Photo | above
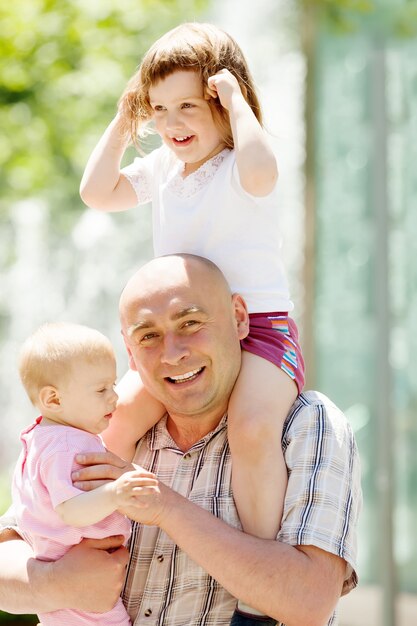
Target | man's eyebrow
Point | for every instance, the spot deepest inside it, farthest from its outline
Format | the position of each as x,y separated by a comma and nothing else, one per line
138,326
189,310
143,324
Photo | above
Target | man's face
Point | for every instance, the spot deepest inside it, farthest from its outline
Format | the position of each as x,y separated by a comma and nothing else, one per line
182,335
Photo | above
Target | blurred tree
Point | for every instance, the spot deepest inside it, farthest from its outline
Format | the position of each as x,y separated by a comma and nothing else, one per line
63,66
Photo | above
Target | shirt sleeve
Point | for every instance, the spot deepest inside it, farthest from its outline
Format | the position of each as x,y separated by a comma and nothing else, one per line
140,175
57,468
323,497
259,201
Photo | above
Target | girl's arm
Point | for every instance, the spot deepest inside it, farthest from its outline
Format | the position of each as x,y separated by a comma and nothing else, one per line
256,163
137,411
102,186
92,506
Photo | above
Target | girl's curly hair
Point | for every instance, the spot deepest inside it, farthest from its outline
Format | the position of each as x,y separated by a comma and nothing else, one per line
194,46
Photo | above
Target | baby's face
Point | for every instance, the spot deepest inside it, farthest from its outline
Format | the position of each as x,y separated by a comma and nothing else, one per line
88,398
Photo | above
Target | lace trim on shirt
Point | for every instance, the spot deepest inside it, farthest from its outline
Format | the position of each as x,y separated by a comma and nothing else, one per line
193,183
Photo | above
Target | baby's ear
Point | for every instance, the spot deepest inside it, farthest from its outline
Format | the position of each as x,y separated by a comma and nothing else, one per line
49,399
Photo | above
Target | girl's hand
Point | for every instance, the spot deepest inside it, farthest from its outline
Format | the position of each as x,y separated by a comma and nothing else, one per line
224,86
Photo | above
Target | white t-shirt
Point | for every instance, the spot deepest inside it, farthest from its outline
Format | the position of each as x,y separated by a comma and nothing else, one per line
209,214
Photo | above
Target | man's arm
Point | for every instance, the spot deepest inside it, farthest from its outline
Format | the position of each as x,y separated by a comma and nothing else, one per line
299,585
87,577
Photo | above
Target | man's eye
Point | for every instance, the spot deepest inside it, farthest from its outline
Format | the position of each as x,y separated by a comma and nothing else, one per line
148,337
190,323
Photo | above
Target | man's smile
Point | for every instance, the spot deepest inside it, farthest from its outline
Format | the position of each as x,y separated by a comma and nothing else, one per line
184,378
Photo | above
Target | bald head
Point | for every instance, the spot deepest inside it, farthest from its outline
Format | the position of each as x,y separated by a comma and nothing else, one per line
169,273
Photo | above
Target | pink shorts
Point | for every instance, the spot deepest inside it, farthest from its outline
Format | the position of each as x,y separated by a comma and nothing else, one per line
274,337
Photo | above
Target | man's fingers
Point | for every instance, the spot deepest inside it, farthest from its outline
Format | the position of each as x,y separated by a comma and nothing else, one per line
89,485
107,543
100,458
93,472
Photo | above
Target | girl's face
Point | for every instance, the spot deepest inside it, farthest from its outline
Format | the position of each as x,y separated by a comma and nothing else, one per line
184,120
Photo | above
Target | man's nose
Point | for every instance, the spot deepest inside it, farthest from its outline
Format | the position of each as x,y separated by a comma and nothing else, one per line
114,396
174,350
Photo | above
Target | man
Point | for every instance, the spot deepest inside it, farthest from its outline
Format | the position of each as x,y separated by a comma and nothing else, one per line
189,558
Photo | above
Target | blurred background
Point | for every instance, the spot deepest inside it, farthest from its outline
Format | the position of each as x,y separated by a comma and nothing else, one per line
338,84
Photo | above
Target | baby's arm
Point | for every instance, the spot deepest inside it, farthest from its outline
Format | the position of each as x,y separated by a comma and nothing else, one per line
102,186
92,506
255,160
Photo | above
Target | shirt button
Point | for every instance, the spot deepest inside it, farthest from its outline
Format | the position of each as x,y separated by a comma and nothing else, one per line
160,558
148,612
187,456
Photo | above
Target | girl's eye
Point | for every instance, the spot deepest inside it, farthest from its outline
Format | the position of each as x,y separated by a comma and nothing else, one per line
187,105
158,107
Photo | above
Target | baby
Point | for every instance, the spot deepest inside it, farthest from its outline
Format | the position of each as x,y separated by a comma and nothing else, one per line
69,373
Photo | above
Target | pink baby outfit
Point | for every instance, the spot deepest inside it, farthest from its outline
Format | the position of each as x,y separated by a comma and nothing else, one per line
42,481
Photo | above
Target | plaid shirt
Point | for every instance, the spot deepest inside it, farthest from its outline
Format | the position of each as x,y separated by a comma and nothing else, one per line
165,587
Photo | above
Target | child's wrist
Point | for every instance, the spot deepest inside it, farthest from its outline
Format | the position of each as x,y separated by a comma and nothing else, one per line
120,130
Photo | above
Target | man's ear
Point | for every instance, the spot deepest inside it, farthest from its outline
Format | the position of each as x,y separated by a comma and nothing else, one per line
132,364
49,399
241,315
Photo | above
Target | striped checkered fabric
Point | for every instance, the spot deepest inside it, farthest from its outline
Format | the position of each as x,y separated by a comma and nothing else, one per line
165,587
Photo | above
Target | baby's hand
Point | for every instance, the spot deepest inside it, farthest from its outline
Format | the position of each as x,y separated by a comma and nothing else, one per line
133,488
223,85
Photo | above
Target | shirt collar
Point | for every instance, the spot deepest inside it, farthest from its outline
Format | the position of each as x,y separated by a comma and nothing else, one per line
158,437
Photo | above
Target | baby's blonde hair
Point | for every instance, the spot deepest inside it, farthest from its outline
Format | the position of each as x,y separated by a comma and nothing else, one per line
47,357
203,48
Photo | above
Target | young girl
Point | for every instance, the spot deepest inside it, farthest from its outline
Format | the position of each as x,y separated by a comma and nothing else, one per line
213,190
69,374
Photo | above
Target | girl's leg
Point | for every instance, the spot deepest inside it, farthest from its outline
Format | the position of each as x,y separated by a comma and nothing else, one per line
137,411
260,402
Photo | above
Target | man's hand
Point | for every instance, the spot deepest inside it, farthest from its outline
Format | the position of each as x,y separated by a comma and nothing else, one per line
224,86
90,575
99,468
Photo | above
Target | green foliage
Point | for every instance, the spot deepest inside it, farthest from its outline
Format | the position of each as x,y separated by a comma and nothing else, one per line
341,16
63,67
382,18
406,20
